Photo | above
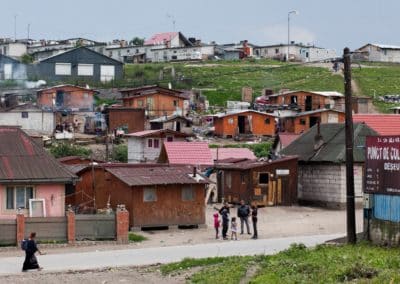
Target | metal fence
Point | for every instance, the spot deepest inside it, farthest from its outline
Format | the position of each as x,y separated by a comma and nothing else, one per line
94,227
47,229
8,232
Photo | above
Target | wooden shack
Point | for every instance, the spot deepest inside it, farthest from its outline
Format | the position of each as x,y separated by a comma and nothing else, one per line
244,122
155,195
263,183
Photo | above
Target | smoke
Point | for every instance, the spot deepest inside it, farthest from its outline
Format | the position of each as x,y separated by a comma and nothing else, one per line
34,85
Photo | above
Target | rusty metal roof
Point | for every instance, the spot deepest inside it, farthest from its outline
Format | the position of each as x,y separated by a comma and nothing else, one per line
250,164
24,161
156,175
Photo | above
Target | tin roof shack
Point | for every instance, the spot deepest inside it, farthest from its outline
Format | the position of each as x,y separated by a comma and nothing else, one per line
322,163
11,69
154,195
28,174
174,122
186,153
71,104
303,121
28,117
308,101
263,183
66,97
79,64
126,118
250,122
157,101
146,145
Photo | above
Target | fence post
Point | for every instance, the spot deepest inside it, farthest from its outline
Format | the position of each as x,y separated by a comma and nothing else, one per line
122,224
20,228
71,226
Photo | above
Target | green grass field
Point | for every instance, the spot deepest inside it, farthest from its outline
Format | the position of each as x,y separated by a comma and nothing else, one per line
361,263
223,80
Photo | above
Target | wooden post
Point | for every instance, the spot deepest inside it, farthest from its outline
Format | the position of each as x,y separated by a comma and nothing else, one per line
71,227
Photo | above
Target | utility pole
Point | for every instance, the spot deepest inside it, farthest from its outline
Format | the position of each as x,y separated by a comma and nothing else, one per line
15,27
351,214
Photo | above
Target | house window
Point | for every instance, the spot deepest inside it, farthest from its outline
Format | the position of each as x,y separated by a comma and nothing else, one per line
63,69
175,103
276,50
24,114
107,73
267,121
302,121
85,69
140,103
149,194
150,143
156,143
170,138
188,193
18,196
230,120
263,178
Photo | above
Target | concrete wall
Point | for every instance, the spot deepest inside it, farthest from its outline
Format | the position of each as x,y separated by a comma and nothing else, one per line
325,184
36,120
135,150
374,53
53,194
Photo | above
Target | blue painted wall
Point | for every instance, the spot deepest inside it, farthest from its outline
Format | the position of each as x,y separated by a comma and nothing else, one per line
387,207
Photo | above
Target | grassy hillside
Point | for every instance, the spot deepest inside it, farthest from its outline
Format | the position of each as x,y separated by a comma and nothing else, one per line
223,80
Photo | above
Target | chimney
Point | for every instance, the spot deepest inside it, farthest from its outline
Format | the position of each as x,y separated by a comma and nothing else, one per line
194,172
318,140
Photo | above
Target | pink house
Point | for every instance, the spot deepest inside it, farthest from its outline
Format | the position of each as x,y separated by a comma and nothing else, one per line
31,180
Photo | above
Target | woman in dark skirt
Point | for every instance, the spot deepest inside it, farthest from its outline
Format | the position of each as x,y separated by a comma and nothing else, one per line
30,258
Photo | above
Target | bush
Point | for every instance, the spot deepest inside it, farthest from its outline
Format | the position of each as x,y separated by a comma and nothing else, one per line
136,238
120,153
64,150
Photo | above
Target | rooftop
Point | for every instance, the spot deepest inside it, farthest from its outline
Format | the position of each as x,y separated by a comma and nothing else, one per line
156,133
187,153
234,153
384,124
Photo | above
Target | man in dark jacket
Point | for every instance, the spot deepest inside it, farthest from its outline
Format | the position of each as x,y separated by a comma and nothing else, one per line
243,213
254,220
224,211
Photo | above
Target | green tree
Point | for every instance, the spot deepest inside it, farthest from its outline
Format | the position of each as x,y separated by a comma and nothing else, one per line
120,153
137,41
27,58
65,149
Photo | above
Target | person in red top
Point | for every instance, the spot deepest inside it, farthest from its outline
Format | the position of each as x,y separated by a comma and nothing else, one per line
217,223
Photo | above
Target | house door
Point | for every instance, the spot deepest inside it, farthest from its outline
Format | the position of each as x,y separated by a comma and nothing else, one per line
60,98
308,103
242,124
178,126
313,120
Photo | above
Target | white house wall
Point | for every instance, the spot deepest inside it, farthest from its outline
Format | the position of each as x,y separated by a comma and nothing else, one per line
39,121
135,150
326,184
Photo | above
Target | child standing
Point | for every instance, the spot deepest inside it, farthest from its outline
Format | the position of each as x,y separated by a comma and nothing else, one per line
216,224
233,228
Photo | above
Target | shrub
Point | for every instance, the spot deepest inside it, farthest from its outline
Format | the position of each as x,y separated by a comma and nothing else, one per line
120,153
64,150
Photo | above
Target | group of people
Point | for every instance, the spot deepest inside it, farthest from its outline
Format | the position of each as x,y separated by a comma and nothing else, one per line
243,213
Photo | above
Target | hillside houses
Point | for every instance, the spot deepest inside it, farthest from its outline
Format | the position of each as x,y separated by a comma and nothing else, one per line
378,53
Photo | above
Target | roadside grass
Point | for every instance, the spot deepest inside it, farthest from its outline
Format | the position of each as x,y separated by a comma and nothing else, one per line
361,263
136,238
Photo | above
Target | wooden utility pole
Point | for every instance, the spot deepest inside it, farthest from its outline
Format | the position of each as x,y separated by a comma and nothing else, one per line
351,214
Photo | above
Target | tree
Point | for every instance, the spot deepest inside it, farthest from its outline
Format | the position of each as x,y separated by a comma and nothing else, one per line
27,58
64,150
137,41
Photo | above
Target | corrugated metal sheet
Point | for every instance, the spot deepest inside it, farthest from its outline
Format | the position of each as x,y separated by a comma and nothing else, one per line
387,207
21,159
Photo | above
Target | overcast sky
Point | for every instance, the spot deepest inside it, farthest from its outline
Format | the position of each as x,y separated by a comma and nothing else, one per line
333,24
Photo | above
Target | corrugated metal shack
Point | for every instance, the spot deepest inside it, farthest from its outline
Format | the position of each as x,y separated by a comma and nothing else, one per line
263,183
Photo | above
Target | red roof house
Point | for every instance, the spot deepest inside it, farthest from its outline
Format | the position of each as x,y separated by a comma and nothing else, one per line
384,124
186,153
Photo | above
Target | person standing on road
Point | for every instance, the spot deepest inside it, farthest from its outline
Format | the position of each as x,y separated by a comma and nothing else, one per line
243,213
30,258
216,225
254,221
225,221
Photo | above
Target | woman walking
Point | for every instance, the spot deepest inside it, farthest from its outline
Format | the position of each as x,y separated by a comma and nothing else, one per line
30,258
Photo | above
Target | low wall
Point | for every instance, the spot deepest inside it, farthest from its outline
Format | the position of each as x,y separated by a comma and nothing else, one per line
8,232
47,228
94,227
384,232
